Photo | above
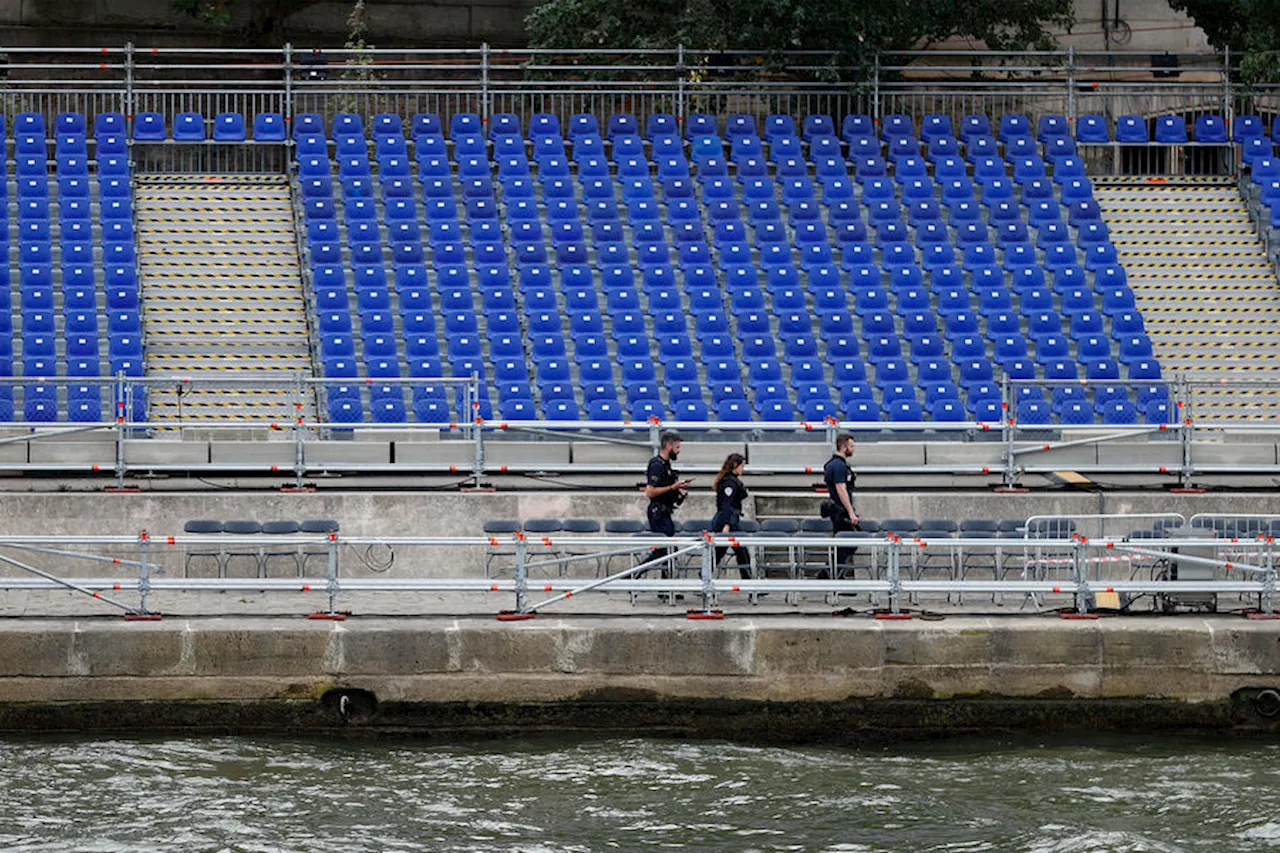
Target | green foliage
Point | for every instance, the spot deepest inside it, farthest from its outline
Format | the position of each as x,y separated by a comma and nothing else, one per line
216,13
855,29
360,67
262,22
1250,28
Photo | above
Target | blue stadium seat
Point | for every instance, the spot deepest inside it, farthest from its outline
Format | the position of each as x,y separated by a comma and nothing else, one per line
1092,129
147,127
817,125
1210,129
1171,130
1120,412
187,127
1132,130
1013,126
1247,127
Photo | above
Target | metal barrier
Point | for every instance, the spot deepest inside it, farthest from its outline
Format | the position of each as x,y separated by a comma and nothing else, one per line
689,560
1024,448
681,81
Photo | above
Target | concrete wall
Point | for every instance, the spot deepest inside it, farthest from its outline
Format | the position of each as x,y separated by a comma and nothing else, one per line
408,513
1147,25
420,23
832,675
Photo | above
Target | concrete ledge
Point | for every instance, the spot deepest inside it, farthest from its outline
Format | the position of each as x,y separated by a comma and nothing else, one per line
550,454
696,452
1194,669
1214,453
14,451
1168,454
339,453
1064,457
143,452
256,453
794,454
101,453
781,658
985,453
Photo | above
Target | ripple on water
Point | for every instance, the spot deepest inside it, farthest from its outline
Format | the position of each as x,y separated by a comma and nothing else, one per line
561,795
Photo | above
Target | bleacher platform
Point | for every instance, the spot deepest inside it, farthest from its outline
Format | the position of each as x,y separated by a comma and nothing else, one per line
716,268
795,269
73,234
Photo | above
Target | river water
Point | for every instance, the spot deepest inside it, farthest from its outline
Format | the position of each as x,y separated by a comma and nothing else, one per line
1110,795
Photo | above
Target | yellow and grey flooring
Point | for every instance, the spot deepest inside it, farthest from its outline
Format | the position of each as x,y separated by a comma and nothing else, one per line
1208,295
222,294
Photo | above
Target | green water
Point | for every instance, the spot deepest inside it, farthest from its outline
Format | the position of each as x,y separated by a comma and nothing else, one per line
560,794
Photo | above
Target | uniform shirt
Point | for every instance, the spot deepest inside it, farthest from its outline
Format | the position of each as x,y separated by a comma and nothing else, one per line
660,474
730,494
837,471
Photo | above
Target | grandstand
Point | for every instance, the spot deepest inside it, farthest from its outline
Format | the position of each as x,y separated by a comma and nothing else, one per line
74,240
927,274
734,273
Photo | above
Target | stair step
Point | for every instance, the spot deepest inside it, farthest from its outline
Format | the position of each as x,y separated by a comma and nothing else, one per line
228,361
1237,253
156,230
1207,292
228,334
1245,242
1240,226
223,272
219,267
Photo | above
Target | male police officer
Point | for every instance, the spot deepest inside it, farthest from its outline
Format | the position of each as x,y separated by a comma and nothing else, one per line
665,492
839,480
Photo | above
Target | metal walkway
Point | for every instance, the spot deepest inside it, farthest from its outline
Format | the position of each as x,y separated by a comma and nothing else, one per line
1200,276
221,292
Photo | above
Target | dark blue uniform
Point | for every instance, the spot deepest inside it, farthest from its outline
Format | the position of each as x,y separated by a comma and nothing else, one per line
837,471
730,493
659,473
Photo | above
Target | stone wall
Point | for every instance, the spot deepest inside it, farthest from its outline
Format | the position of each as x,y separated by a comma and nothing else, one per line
405,513
392,23
830,680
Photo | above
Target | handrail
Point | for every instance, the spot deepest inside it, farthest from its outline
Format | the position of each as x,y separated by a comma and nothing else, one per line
700,71
902,577
1022,444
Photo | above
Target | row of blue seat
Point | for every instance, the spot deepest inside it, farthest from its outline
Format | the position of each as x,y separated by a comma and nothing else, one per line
78,235
272,127
633,382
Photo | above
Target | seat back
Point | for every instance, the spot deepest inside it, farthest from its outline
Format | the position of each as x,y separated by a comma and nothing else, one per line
501,525
900,526
242,527
816,525
281,528
779,526
624,526
202,525
543,526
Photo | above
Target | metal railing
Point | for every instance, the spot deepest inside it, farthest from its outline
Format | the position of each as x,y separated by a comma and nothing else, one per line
681,81
126,421
1069,570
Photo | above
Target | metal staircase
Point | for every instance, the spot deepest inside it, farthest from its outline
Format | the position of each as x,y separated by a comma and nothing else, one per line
1208,296
222,293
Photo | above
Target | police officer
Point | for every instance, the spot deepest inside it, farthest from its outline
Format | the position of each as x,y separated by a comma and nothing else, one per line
839,480
730,493
665,491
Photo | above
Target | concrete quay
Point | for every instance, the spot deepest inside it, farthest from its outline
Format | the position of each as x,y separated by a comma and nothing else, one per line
772,677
